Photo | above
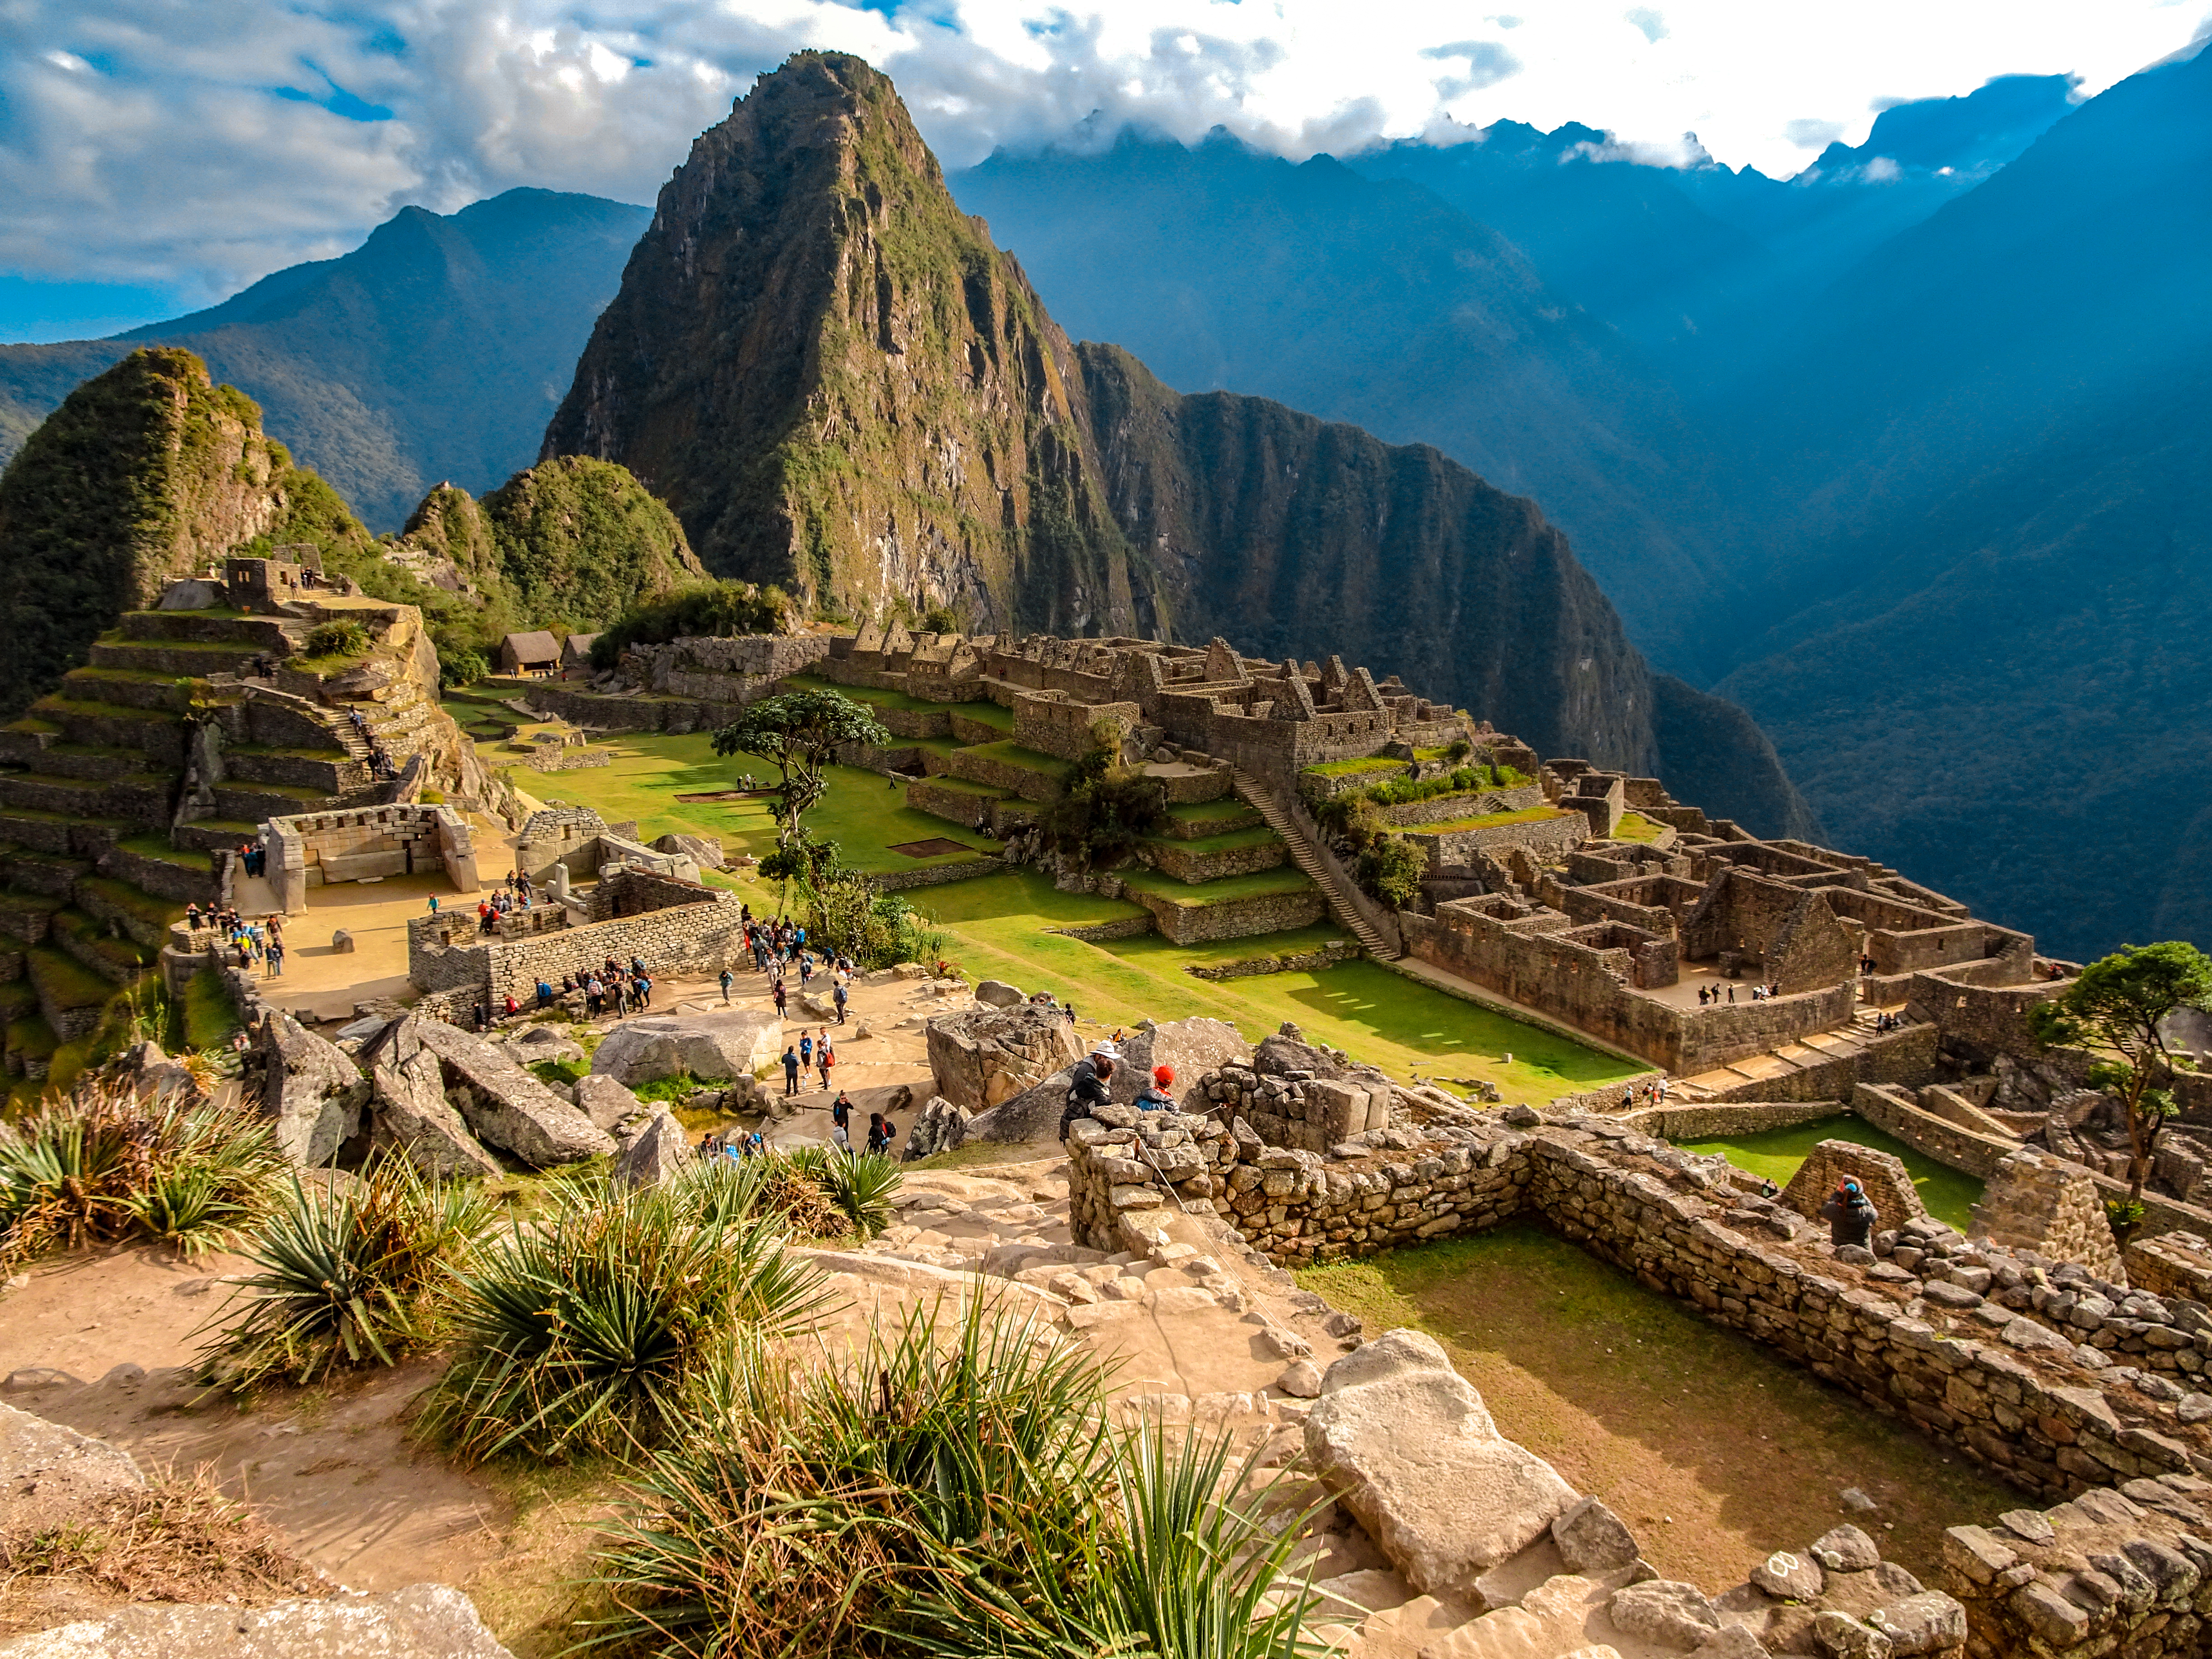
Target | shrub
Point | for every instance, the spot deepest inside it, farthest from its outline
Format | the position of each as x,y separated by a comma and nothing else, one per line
210,1015
461,664
1107,807
337,638
716,610
1392,869
104,1164
858,1187
791,1521
594,1329
347,1275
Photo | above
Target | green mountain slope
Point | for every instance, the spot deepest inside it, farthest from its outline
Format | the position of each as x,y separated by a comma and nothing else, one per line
146,473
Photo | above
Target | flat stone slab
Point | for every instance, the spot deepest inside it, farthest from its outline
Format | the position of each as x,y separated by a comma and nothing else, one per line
728,1043
422,1621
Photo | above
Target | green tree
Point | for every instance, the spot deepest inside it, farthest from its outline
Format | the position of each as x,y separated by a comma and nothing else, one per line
1107,808
798,734
2118,1005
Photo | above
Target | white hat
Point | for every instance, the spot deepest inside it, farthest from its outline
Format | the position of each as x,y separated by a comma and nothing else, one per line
1105,1048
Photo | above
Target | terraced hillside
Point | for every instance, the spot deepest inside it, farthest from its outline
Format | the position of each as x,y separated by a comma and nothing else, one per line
125,792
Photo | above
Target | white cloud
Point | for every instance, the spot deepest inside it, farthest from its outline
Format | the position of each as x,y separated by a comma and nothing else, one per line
205,145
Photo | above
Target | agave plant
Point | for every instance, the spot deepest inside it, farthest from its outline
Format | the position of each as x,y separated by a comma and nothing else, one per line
347,1275
861,1188
104,1163
1181,1565
810,1494
593,1330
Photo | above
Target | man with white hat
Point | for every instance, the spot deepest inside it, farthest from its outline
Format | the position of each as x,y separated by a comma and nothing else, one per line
1090,1085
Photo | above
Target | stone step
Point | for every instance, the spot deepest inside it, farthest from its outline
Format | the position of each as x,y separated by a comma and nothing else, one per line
335,772
139,800
61,834
257,802
130,688
94,763
214,834
88,939
1262,800
209,628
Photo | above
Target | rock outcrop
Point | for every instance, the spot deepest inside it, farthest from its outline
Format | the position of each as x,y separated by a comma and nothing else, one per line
504,1105
422,1621
49,1472
1407,1446
986,1056
731,1044
311,1092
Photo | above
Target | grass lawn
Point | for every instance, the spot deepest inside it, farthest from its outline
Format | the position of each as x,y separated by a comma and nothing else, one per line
1288,879
1526,815
996,928
864,812
1233,841
1010,753
1712,1449
1634,826
1948,1194
874,696
986,713
1228,809
1347,768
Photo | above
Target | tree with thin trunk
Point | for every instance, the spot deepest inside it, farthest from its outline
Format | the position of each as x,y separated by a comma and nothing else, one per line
2119,1006
798,734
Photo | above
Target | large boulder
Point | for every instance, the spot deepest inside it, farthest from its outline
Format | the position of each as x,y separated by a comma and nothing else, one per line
605,1101
502,1104
313,1093
655,1153
940,1127
982,1056
411,1113
422,1621
1030,1116
706,853
726,1043
997,993
1192,1047
1406,1445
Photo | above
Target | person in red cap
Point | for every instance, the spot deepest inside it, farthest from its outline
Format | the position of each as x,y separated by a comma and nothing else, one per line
1154,1096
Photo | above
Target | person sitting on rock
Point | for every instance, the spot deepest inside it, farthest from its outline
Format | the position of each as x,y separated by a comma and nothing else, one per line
1850,1217
1090,1085
1154,1096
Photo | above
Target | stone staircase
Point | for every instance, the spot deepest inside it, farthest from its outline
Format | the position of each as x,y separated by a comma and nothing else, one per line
1279,819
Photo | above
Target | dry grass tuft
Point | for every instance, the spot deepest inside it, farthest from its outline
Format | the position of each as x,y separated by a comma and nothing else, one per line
176,1541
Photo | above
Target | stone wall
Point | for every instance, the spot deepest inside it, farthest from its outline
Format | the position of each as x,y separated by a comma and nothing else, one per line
2034,1201
1300,961
2059,1381
2125,1572
1881,1176
1268,913
1053,725
312,849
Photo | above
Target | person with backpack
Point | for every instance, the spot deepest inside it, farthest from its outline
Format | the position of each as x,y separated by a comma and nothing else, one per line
824,1056
782,997
837,995
725,985
1850,1216
1090,1085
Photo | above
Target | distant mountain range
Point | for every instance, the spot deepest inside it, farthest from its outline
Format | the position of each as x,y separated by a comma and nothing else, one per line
432,353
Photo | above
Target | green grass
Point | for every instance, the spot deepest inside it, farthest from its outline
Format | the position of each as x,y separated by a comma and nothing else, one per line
1950,1194
125,896
968,786
874,696
1012,754
157,846
986,713
1207,811
1634,826
32,1037
91,934
864,812
210,1016
1261,883
17,998
1346,769
569,1072
1526,815
1258,835
64,981
996,928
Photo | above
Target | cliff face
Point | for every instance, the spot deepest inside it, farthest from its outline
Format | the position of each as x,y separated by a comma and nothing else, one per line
144,473
842,387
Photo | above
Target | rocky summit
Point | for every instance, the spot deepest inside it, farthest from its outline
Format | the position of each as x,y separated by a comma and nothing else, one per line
842,387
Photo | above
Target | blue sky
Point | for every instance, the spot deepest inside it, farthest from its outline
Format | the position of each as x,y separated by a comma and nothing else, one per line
157,157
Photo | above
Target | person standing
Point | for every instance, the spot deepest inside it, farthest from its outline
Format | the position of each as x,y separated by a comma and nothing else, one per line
837,995
725,985
790,1072
824,1056
782,997
841,1110
805,1051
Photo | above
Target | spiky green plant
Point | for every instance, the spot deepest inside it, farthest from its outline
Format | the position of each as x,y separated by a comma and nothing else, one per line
792,1520
593,1329
861,1187
104,1163
347,1275
1184,1564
